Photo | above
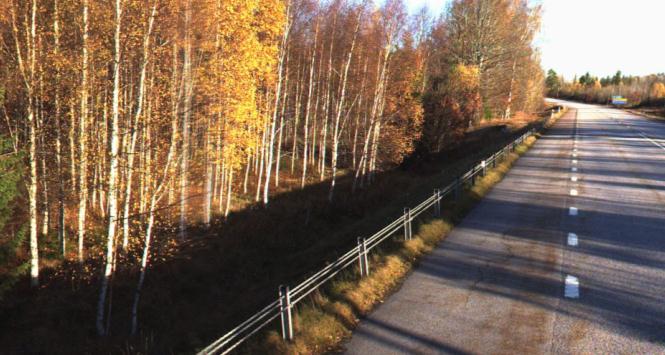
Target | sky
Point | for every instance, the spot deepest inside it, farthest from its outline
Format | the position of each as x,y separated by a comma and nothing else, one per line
598,36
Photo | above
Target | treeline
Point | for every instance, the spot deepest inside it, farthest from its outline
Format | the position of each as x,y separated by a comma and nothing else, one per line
134,112
646,90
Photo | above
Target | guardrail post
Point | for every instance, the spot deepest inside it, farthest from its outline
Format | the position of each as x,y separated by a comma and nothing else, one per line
483,165
408,213
407,223
285,306
437,205
362,257
365,257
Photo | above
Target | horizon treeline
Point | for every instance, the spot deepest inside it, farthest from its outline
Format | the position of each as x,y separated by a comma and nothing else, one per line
129,114
647,90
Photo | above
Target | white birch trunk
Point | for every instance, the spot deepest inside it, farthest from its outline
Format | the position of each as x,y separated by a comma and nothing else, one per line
278,92
229,194
28,75
134,129
285,101
308,108
187,112
58,132
113,175
83,137
158,193
340,107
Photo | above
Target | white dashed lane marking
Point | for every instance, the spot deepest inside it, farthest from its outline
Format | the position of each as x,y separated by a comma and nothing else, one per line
572,239
572,287
572,284
651,140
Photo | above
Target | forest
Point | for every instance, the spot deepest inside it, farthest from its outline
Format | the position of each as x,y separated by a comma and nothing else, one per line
648,90
134,130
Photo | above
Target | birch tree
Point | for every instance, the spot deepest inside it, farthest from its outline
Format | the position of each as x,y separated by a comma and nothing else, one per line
25,47
113,174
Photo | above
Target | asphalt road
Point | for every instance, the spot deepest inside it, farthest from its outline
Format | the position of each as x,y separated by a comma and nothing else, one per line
565,255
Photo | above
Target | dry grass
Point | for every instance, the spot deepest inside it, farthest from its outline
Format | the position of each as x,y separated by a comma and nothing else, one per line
517,122
330,316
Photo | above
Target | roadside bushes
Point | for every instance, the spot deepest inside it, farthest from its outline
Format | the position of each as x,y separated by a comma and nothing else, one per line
450,107
12,231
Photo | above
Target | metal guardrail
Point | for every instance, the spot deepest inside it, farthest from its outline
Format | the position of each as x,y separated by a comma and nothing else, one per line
282,307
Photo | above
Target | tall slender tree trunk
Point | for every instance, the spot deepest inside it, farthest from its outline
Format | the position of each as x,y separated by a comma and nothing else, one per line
285,101
308,108
28,75
32,197
261,160
296,118
229,195
275,112
102,164
509,102
134,129
83,137
328,101
58,132
176,94
187,112
113,175
41,123
208,178
32,122
340,107
247,168
157,194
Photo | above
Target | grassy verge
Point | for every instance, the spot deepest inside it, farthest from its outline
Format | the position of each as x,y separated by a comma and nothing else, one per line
327,318
653,113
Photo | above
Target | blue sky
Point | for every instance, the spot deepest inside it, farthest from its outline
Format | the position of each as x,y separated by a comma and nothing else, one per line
599,36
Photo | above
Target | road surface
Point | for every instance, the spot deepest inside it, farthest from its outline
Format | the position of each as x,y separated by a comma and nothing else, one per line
565,256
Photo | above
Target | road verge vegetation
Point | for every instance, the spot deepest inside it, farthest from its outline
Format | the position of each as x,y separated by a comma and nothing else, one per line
323,322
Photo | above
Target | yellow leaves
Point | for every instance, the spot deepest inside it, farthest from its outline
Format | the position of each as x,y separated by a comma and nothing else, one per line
240,44
466,75
597,85
657,91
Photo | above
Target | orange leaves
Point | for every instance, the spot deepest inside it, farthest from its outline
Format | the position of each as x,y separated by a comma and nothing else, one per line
451,107
657,91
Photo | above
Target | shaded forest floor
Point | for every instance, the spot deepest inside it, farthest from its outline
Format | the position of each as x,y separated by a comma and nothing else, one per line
197,289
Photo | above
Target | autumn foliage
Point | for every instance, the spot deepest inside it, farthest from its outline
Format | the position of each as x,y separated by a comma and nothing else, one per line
646,90
143,125
451,106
